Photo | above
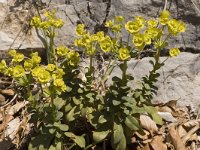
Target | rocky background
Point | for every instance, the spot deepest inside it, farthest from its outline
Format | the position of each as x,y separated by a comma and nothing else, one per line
180,77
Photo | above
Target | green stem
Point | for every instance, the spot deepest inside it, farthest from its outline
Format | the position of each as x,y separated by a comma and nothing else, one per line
128,39
124,69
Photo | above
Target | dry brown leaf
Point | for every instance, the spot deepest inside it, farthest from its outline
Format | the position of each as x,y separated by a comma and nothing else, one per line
15,108
2,100
175,138
148,124
181,131
12,128
172,104
191,123
6,119
8,92
143,137
165,109
157,143
146,147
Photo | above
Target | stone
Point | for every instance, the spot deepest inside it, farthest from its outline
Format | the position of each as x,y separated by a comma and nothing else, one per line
179,78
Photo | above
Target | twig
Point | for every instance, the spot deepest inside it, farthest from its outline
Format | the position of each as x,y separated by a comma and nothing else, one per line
14,97
190,133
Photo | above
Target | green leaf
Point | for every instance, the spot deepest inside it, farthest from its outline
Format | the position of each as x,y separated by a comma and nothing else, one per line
71,114
68,107
118,139
79,140
142,99
41,142
102,119
132,123
59,103
137,94
116,102
146,86
154,114
99,136
76,101
62,127
58,116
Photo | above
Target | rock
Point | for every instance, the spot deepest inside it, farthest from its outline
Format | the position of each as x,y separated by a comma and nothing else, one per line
179,78
15,17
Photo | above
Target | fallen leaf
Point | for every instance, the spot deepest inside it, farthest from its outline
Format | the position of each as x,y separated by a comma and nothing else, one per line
12,128
2,100
191,123
157,143
8,92
167,116
148,124
181,131
15,108
143,137
176,139
165,109
146,147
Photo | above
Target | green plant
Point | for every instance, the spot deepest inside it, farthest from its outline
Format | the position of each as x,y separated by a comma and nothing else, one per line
69,110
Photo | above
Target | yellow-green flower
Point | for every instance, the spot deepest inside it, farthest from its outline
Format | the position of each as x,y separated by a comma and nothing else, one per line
9,71
51,67
164,17
18,71
109,23
175,26
147,39
28,64
152,23
59,72
153,33
60,84
3,66
18,57
116,28
138,40
35,58
80,29
119,19
58,23
91,50
140,20
35,71
174,52
41,74
73,58
62,51
100,35
160,44
106,44
124,54
12,53
45,25
36,21
133,26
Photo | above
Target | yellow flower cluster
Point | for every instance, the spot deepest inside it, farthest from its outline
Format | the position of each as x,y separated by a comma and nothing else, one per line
49,21
174,52
174,26
135,26
115,25
124,54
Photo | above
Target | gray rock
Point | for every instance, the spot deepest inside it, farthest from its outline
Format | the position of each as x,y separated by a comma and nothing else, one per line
179,78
